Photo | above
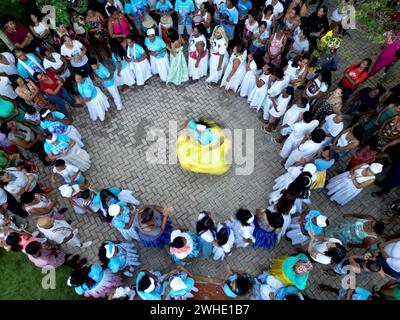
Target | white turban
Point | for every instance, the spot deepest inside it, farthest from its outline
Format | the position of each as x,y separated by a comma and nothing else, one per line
376,168
177,284
151,32
114,210
321,221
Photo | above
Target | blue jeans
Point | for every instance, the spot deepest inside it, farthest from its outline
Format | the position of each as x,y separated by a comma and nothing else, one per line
59,101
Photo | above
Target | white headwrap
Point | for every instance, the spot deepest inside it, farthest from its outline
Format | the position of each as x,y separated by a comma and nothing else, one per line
251,219
151,287
110,250
151,32
114,210
321,221
376,168
53,138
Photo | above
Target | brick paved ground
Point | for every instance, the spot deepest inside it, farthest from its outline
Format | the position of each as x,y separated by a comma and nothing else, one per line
118,155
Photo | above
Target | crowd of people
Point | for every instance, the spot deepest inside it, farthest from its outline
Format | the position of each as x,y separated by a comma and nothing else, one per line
264,53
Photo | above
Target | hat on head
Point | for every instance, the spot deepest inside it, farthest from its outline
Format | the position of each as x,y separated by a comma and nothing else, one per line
114,210
148,22
46,113
322,221
151,32
376,168
110,250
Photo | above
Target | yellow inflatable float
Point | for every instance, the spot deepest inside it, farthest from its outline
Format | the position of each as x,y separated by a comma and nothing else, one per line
202,148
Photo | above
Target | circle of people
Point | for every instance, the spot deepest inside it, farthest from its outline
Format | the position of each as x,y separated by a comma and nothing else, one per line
269,64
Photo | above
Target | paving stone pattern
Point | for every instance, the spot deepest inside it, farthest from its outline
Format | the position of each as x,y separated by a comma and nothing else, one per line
118,154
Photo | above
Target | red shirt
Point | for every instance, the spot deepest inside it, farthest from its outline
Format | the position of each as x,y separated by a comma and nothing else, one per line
52,86
19,35
356,75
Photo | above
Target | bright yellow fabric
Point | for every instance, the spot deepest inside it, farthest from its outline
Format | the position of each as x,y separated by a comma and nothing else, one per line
276,270
201,158
320,181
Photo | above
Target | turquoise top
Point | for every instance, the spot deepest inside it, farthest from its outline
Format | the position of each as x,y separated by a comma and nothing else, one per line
61,146
299,280
103,73
281,293
323,165
228,291
55,126
114,190
96,273
117,262
157,45
136,52
116,59
136,8
358,294
87,89
29,61
207,137
121,220
156,294
309,225
164,8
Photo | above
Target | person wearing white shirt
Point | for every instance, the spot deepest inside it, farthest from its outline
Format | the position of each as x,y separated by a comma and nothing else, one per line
53,60
61,232
17,182
278,8
389,258
332,126
7,64
71,174
307,150
114,3
6,89
326,250
278,108
274,91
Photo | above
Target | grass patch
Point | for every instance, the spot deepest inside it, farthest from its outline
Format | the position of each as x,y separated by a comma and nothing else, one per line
20,279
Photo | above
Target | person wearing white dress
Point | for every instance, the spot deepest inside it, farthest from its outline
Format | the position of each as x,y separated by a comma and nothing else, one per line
7,64
198,53
123,74
257,96
95,100
138,62
299,131
226,240
346,186
218,56
274,91
157,49
103,75
278,109
235,71
249,81
307,150
243,228
292,115
332,126
296,70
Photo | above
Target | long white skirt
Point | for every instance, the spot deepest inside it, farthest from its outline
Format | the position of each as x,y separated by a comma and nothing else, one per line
283,181
98,106
257,97
74,134
290,144
341,189
216,75
236,79
142,71
248,84
160,66
295,234
287,218
78,158
127,196
201,70
238,232
127,77
114,92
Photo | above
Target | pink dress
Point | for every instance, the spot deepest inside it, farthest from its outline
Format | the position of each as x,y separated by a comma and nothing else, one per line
275,48
386,58
122,28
